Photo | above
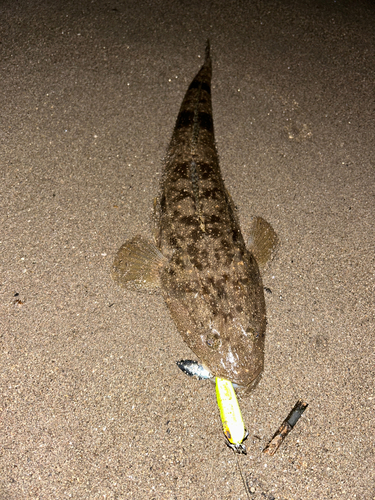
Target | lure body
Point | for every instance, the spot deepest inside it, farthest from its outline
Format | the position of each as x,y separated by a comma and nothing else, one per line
231,417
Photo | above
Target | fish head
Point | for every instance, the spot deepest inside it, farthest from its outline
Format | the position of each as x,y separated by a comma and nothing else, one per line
220,315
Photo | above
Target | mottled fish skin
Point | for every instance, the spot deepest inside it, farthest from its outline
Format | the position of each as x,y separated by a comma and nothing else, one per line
212,284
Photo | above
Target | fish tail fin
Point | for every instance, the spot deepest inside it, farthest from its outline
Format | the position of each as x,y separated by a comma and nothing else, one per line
207,59
195,116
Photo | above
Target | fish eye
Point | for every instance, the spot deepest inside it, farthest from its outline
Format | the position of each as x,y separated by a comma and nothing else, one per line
213,342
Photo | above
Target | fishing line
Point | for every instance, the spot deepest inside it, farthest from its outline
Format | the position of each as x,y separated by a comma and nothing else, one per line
242,477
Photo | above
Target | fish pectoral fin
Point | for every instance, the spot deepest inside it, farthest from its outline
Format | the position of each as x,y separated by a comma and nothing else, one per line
138,264
263,241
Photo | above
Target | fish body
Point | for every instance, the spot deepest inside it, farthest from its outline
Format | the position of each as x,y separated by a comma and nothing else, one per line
210,281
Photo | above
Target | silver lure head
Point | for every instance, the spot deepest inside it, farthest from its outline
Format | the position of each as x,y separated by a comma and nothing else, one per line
194,369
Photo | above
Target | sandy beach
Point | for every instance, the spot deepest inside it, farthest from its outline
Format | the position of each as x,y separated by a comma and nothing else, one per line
92,403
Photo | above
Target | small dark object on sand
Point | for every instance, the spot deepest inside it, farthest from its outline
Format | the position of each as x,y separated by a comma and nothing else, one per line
285,427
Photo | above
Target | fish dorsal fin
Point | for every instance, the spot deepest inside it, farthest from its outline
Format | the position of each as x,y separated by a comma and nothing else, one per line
138,264
263,241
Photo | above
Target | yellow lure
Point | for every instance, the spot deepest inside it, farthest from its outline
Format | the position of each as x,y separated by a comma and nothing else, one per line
231,417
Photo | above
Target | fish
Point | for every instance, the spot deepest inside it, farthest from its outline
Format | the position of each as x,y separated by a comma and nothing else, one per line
197,259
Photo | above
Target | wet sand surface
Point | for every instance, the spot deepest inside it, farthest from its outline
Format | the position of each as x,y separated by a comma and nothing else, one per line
92,404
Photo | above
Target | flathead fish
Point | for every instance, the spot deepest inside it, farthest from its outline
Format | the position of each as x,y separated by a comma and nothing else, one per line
198,259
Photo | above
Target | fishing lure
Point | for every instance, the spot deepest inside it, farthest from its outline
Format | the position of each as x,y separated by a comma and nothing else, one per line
194,369
231,417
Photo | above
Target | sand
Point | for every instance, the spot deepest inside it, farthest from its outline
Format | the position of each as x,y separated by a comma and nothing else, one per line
92,403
